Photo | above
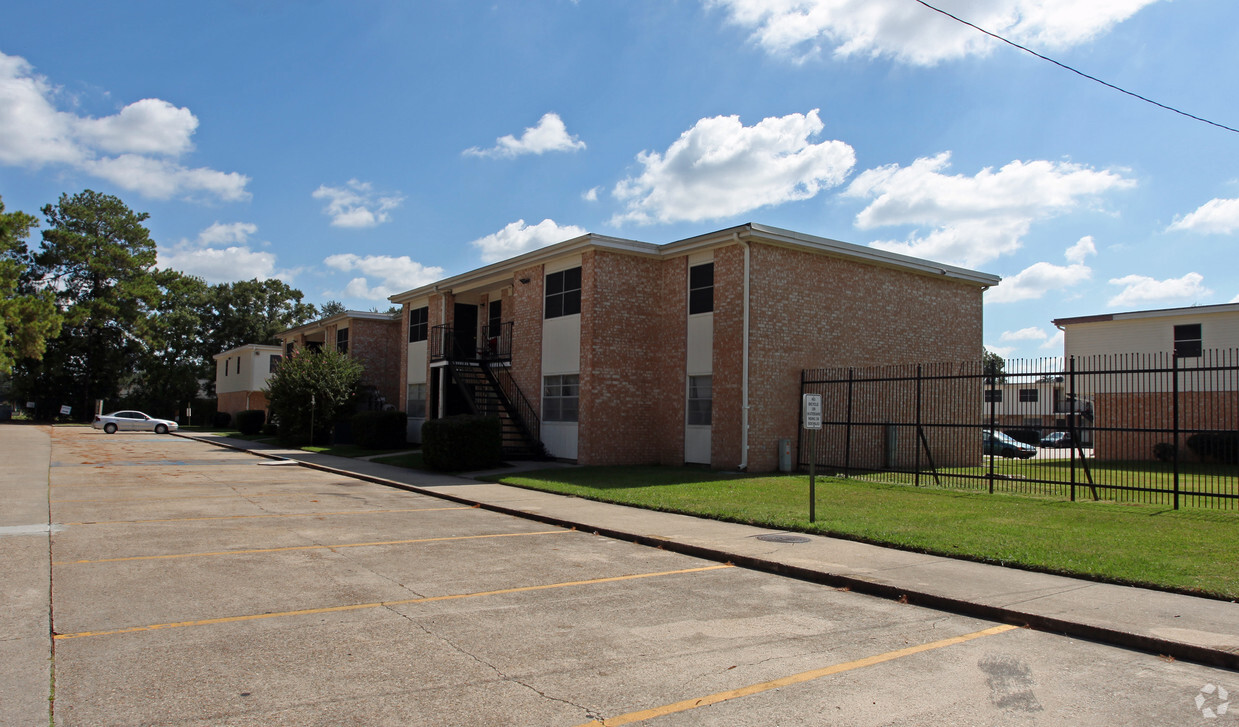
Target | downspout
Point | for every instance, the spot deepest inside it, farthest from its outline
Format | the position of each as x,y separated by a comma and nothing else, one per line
744,374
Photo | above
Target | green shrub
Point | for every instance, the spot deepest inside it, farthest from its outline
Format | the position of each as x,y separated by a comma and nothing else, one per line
462,443
221,419
379,429
1215,446
1164,451
250,421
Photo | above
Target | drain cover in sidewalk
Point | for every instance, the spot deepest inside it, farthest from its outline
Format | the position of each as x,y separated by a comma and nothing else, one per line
783,538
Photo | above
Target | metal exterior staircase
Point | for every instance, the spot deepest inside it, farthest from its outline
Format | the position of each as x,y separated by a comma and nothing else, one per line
491,391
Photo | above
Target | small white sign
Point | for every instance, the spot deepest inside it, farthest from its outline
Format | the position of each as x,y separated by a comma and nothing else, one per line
64,410
812,405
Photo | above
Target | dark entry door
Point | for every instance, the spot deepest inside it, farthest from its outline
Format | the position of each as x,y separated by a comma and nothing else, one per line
465,331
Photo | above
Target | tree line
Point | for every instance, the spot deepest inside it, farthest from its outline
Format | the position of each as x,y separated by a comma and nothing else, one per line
87,314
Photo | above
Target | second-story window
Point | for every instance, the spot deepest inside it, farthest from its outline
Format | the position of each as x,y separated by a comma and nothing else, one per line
342,340
1028,395
419,324
993,395
1188,342
275,362
563,293
701,288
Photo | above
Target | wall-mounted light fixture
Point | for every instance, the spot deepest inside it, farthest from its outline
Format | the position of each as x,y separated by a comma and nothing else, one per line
524,281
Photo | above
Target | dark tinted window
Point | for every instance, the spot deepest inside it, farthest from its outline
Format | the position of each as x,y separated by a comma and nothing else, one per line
1188,342
419,322
563,293
701,288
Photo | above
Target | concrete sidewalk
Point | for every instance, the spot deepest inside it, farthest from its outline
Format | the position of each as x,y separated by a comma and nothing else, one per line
25,598
1201,630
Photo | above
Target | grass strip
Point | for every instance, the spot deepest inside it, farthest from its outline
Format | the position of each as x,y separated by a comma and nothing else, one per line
1191,551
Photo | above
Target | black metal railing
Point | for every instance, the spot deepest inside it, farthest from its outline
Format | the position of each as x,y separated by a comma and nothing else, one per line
1147,428
447,344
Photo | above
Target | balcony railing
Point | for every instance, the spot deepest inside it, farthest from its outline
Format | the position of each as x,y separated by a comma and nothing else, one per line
495,344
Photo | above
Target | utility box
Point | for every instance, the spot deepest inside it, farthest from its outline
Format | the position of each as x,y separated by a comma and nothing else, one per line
785,454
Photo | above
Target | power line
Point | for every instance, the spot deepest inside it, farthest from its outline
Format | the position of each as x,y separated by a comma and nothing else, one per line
1073,70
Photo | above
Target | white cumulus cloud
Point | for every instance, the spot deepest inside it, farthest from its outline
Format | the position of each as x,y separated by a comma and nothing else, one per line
222,254
973,219
1215,217
356,204
1141,290
913,34
550,134
394,274
1032,333
721,168
137,149
1036,280
517,237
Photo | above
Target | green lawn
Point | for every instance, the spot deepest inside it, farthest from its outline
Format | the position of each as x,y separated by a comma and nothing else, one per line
1189,550
411,460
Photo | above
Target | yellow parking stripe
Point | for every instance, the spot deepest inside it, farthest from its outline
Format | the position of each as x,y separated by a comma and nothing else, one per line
306,547
382,604
245,517
200,497
634,717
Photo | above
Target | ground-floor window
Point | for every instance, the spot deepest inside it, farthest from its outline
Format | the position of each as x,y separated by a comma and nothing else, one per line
415,405
560,396
699,400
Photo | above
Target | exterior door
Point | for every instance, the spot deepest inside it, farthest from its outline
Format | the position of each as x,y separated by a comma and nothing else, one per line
465,331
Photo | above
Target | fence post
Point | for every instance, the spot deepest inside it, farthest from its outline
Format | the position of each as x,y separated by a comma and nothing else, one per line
917,461
993,383
1073,425
1174,374
847,432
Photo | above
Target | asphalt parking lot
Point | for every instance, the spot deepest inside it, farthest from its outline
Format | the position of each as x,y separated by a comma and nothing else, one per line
192,585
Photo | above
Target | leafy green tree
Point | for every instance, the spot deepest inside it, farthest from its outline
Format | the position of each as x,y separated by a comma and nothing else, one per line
28,317
98,260
176,360
253,311
310,391
994,367
331,308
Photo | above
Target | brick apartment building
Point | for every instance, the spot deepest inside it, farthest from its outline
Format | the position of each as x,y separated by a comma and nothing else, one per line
1179,346
373,339
613,351
241,376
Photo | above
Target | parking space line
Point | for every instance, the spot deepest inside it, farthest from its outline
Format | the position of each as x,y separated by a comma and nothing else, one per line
382,604
200,497
276,515
250,551
688,704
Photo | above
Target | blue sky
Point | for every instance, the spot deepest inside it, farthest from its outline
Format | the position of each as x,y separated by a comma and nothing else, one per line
356,150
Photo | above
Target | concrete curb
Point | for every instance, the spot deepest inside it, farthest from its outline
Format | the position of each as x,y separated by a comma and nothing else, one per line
1219,658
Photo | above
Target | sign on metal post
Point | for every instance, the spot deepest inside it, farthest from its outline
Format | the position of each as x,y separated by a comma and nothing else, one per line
811,405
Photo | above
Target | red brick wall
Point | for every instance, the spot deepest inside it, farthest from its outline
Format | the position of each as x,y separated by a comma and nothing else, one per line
811,311
235,401
670,358
524,309
377,346
402,374
727,416
1128,411
623,391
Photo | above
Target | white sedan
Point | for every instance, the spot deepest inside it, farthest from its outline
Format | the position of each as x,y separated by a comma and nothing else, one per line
132,421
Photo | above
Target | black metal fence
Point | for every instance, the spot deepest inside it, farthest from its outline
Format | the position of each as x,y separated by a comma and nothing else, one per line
1148,428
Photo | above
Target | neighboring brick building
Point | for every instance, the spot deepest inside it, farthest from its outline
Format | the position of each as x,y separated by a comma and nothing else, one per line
373,339
628,352
241,376
1198,342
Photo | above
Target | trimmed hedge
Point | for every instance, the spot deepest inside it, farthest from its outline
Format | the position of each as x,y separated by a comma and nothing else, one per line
1215,446
250,421
462,443
221,419
379,429
1164,452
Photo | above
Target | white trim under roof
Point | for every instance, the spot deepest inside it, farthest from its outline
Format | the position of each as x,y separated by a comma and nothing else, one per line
1158,313
346,315
260,347
501,272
